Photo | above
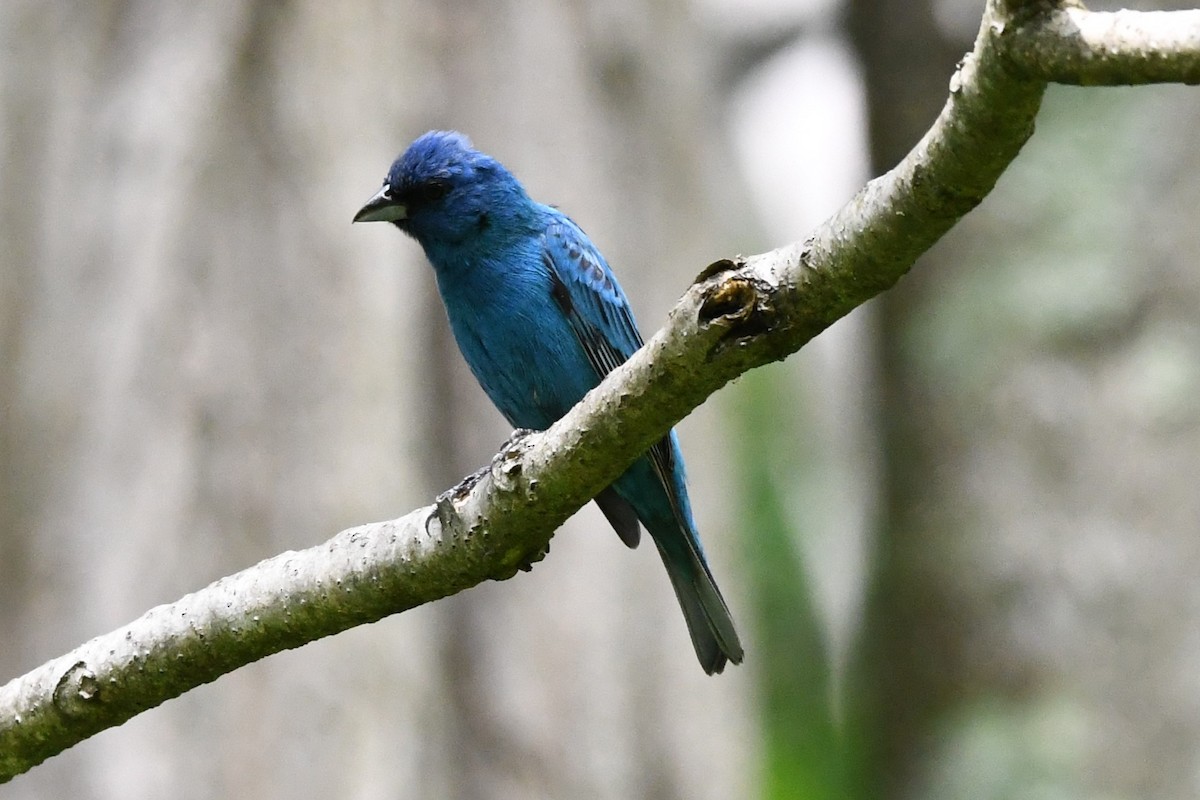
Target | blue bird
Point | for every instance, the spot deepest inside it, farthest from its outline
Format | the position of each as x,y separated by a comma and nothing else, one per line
540,320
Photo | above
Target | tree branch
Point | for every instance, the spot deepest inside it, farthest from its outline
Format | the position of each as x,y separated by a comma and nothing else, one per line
739,314
1121,48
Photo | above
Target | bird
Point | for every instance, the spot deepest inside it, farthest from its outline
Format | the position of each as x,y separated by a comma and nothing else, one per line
540,320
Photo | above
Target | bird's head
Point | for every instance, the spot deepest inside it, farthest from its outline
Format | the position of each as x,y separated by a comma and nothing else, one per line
442,191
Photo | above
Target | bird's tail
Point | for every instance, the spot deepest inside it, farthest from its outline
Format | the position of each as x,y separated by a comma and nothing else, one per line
708,619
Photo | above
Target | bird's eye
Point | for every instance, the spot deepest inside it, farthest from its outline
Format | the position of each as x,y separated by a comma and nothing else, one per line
433,191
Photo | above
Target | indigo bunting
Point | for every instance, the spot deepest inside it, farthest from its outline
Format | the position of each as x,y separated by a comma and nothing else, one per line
540,320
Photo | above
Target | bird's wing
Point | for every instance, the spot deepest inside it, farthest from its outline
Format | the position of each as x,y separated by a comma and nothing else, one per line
588,295
592,301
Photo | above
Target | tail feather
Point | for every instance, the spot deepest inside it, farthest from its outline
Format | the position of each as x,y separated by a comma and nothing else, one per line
621,516
656,489
708,619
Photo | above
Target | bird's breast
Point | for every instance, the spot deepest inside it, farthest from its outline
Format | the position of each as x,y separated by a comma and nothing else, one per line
515,339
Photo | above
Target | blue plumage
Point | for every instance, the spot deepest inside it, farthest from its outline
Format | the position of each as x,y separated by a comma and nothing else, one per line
540,320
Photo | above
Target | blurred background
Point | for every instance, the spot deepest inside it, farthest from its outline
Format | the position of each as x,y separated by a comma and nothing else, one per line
958,531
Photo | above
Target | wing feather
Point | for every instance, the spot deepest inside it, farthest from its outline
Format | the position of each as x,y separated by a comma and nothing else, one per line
599,314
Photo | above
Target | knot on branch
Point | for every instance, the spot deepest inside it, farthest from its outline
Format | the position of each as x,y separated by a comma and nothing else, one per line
736,301
76,690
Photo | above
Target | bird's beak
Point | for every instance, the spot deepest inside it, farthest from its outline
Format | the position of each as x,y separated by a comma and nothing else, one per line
382,208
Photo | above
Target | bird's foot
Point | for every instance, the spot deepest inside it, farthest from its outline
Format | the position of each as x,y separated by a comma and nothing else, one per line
516,438
507,474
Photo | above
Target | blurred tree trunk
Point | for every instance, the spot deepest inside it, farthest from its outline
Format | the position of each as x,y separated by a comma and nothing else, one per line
908,629
1032,631
203,364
